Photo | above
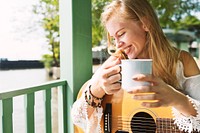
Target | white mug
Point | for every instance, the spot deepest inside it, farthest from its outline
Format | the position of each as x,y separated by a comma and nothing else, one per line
131,67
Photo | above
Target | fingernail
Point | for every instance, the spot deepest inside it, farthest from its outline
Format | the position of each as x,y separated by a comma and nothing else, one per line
134,77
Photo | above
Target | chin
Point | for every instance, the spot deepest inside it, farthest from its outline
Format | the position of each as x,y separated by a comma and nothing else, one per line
131,57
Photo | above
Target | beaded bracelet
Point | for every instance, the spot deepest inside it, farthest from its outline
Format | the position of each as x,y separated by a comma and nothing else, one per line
92,100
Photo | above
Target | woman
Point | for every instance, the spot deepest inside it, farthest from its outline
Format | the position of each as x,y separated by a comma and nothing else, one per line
133,28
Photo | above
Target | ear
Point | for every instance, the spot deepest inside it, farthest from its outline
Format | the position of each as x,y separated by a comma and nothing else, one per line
145,24
145,27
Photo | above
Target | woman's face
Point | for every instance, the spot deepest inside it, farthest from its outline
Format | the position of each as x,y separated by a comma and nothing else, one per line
129,36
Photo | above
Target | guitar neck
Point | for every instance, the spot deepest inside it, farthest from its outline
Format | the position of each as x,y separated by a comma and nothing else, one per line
166,125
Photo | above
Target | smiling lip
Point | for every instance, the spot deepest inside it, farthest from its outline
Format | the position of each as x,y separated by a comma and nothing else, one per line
127,49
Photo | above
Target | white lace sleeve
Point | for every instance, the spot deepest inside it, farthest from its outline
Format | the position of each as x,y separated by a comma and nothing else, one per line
192,88
80,116
188,123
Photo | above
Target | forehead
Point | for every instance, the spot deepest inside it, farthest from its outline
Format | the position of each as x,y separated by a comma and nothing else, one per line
115,24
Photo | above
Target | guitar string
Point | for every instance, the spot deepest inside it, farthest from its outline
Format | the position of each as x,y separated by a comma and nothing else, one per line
122,121
128,128
162,124
150,127
144,118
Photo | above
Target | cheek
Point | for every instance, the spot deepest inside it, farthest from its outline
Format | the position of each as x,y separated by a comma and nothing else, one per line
138,43
138,40
140,36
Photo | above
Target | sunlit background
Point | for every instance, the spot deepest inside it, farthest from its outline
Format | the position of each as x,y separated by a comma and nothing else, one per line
22,38
21,35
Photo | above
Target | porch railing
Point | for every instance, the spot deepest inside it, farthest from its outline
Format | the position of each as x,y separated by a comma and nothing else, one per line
6,107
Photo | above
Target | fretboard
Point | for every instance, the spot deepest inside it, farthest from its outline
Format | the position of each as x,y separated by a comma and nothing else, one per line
166,125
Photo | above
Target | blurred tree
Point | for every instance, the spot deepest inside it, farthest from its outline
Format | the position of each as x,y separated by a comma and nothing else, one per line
171,13
48,11
191,23
175,14
97,29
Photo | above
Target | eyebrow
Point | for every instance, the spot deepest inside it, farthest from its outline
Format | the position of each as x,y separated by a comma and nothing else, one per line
117,32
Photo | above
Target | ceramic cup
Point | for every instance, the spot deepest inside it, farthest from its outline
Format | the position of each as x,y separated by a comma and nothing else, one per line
131,67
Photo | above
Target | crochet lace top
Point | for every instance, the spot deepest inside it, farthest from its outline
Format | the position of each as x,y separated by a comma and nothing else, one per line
190,85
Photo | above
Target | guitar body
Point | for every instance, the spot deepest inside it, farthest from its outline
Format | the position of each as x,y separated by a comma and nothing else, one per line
129,116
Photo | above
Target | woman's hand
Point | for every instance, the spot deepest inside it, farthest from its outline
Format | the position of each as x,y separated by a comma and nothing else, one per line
108,77
157,94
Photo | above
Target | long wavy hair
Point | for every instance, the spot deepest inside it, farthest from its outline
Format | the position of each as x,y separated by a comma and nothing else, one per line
159,48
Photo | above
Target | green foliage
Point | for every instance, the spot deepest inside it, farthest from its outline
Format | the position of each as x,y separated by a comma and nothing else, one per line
97,29
172,12
47,60
48,11
189,22
175,14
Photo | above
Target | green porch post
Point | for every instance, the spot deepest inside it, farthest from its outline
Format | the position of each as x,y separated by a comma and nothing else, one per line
76,44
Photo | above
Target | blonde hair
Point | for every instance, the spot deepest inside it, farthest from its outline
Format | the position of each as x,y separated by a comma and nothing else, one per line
159,48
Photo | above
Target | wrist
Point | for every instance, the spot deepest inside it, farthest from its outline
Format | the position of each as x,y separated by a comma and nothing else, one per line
92,100
182,102
97,92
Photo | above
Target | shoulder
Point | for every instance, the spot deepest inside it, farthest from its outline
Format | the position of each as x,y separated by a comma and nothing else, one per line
190,66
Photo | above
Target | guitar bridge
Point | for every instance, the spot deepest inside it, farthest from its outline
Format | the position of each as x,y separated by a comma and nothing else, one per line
107,118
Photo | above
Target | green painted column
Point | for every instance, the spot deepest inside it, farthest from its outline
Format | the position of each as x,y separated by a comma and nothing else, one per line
76,45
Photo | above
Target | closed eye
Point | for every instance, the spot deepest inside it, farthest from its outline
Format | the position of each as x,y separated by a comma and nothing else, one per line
121,34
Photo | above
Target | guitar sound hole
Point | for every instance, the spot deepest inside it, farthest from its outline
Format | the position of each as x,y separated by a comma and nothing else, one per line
142,122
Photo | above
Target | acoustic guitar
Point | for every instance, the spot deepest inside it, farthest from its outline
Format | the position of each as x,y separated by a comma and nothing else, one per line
123,114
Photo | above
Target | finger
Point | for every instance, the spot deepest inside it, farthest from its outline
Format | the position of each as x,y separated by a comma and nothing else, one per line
113,91
112,88
147,78
114,78
111,71
151,104
146,96
115,86
110,62
141,89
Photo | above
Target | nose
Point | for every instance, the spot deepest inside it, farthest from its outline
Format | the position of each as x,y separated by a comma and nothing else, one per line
119,44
